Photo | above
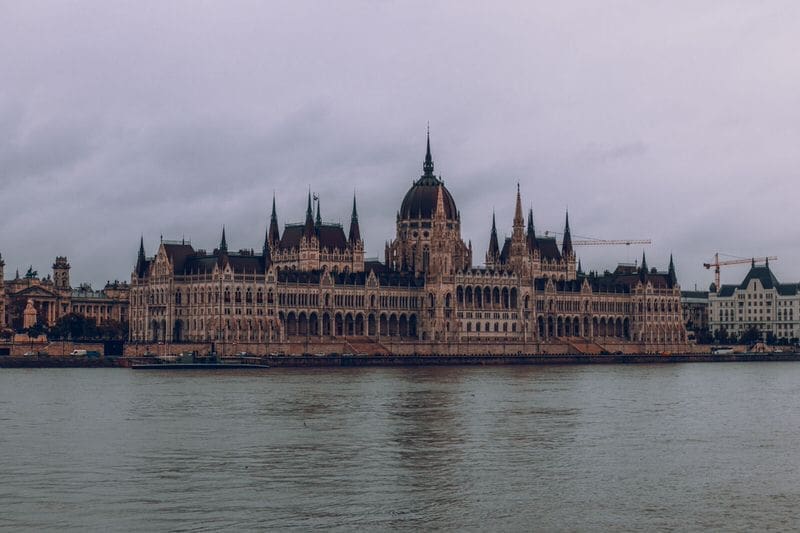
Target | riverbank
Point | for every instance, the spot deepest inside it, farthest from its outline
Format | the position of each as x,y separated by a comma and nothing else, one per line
339,360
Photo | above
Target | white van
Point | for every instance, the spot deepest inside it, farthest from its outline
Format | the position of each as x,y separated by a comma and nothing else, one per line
78,352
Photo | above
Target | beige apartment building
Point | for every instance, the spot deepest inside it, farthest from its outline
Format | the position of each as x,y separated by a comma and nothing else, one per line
759,301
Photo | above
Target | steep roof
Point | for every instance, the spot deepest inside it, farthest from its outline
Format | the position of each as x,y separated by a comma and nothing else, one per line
548,248
331,236
762,274
178,254
695,295
766,278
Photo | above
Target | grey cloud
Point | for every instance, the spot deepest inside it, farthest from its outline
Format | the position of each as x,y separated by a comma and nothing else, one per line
677,122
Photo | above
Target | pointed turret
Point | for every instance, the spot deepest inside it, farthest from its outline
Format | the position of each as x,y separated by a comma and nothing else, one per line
274,235
318,220
427,166
223,243
141,260
439,213
580,268
308,229
518,220
355,232
643,268
531,234
673,279
566,245
494,249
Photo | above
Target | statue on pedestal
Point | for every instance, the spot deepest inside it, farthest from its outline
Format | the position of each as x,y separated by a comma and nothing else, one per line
29,318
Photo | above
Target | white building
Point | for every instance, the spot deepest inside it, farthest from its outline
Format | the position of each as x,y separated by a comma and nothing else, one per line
759,301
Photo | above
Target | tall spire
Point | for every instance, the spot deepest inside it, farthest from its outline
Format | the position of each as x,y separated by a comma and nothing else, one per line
308,230
566,245
427,167
518,220
223,244
355,233
673,279
494,249
530,236
643,268
318,221
141,259
274,235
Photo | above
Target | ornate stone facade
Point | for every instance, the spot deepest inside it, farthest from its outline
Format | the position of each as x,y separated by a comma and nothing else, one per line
53,297
312,282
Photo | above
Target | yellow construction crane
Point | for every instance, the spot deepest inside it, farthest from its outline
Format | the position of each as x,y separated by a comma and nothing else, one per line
587,241
717,263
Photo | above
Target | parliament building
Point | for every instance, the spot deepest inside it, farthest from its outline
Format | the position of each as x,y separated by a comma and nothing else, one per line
310,283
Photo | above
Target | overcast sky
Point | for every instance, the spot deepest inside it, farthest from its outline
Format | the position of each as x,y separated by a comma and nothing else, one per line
674,121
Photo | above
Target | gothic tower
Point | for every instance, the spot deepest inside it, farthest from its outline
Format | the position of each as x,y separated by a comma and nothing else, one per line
428,223
61,274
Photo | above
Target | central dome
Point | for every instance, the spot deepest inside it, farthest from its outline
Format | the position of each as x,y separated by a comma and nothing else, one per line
420,200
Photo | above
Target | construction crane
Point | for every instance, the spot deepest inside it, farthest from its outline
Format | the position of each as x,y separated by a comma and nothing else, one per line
586,241
717,263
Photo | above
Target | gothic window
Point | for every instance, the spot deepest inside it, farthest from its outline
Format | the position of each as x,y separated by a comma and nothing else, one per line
270,297
177,297
238,296
227,296
259,297
426,257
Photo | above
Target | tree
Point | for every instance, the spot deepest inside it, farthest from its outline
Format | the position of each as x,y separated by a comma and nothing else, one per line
72,326
750,336
703,336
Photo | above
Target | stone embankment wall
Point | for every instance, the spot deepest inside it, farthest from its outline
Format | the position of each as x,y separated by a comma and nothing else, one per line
50,349
366,346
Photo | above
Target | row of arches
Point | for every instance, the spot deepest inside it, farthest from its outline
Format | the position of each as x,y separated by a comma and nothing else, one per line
313,324
252,330
572,326
477,297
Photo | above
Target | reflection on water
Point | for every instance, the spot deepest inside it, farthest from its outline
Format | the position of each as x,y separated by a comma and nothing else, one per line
513,448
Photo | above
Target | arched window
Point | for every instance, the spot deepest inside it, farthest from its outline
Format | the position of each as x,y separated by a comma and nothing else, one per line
259,296
248,297
238,296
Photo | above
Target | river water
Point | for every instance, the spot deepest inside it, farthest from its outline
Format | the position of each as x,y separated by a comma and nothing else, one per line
616,447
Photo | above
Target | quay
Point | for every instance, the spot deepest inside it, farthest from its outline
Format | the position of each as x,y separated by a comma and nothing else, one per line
365,360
